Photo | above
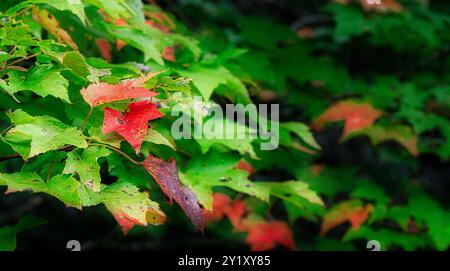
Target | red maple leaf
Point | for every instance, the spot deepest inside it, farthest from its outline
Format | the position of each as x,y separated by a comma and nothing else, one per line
246,166
169,54
100,93
132,125
357,116
262,235
220,203
166,175
265,236
236,212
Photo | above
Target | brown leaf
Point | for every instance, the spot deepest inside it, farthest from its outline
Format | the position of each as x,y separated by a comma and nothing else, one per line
166,175
49,22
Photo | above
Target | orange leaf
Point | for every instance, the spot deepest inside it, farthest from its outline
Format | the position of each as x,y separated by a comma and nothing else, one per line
265,236
236,213
161,27
357,116
350,211
220,203
161,21
100,93
169,54
105,48
246,166
120,43
49,22
305,32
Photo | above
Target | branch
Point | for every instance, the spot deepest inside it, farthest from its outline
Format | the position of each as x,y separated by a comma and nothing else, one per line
116,150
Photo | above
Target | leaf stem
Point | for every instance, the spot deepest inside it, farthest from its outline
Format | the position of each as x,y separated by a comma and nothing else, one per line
9,157
88,116
22,11
49,171
116,150
22,59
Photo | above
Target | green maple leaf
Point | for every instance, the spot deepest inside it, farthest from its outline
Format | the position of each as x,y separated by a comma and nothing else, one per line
370,191
124,200
74,6
240,140
35,135
63,187
388,238
86,166
130,206
44,80
155,137
209,78
116,9
8,234
139,39
299,129
424,208
294,192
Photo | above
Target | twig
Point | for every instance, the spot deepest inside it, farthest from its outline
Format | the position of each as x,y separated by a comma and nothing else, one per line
6,130
49,171
9,157
116,150
87,119
22,59
16,155
310,19
22,11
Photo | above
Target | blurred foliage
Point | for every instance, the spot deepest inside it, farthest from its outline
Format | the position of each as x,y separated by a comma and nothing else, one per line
364,95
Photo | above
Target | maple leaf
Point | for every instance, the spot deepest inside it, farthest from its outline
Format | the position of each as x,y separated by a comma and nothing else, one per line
100,93
357,116
166,175
399,133
133,124
162,28
351,211
33,135
169,54
105,48
262,235
236,212
265,236
244,165
160,21
8,234
220,203
120,43
131,207
305,32
86,166
383,6
49,22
